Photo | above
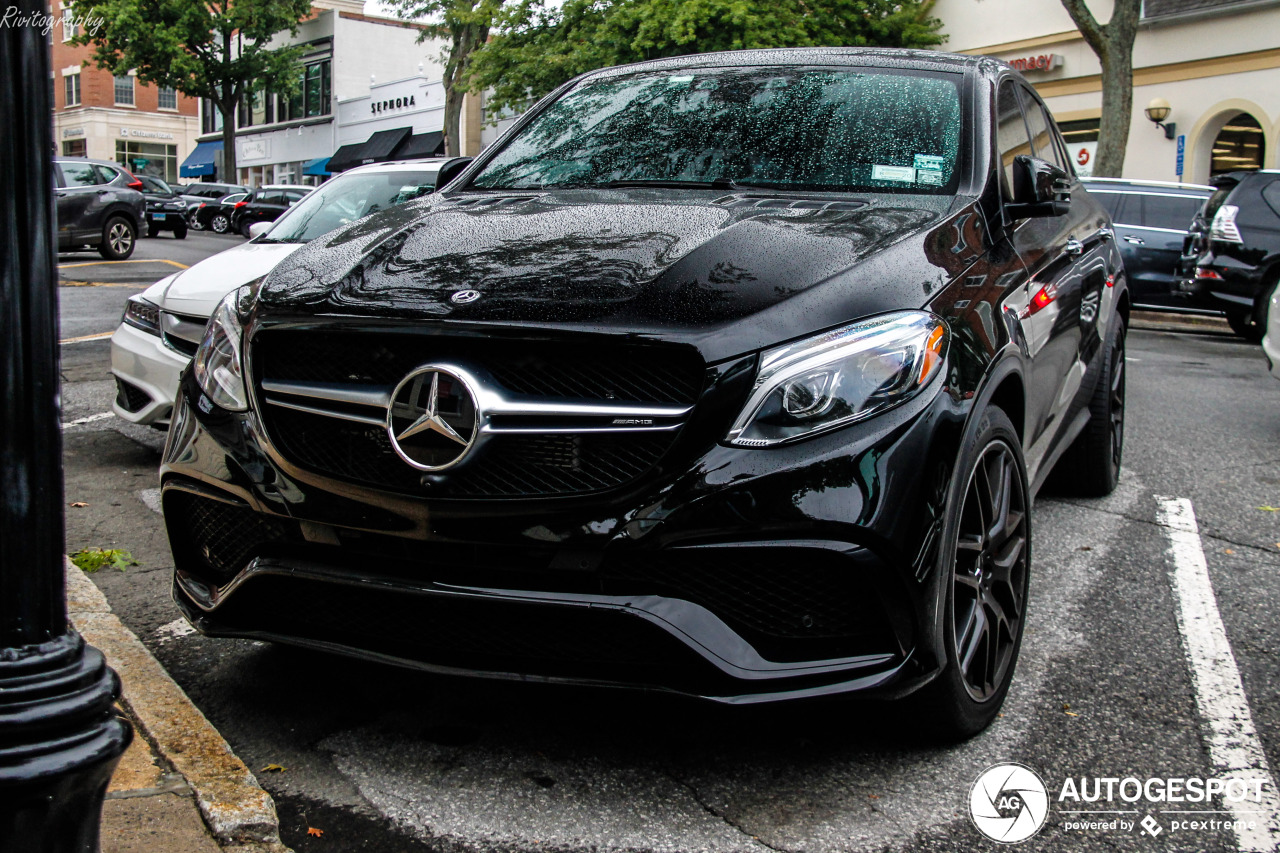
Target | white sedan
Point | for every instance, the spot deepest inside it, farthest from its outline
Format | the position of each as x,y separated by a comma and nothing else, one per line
1271,341
162,326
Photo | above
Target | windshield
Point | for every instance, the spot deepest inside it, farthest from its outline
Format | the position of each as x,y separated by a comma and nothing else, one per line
156,185
347,198
790,128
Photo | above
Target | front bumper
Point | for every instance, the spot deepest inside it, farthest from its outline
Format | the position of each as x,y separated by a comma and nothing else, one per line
729,574
147,373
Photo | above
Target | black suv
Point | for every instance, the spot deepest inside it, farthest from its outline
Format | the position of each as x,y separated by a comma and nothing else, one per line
730,375
264,204
205,193
1238,270
166,211
1152,221
99,205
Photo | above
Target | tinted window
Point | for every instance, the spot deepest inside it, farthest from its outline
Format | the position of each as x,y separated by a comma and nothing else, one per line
347,198
293,196
106,175
1113,202
1215,201
270,197
1011,133
1041,135
1162,211
778,127
80,174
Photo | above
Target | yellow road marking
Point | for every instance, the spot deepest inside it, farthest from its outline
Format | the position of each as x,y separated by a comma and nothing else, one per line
110,263
102,284
94,337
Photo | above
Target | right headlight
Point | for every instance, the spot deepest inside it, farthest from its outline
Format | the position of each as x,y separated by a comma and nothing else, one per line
218,365
839,377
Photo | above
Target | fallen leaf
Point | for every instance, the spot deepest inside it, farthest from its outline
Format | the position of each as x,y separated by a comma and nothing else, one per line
1263,508
273,768
92,559
78,504
873,796
1085,548
1066,707
311,830
1071,713
1227,551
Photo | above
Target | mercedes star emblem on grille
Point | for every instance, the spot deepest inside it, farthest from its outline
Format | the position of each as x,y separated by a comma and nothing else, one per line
462,297
432,420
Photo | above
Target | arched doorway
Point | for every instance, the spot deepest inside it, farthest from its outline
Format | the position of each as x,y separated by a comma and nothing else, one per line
1238,146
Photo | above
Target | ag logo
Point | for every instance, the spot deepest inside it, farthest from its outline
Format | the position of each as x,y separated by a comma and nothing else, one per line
1008,803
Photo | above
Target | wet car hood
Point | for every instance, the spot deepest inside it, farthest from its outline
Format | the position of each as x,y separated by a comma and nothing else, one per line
726,273
198,290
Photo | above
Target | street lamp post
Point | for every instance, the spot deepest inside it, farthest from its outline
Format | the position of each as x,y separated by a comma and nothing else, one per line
59,736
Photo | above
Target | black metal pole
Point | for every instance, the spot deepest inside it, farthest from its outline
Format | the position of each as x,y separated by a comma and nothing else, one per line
59,737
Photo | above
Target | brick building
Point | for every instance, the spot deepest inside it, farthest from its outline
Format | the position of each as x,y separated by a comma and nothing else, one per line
96,114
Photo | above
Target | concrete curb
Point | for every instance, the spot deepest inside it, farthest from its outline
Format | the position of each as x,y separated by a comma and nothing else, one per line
239,813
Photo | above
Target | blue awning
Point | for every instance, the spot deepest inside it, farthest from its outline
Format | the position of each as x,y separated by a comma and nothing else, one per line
200,161
318,166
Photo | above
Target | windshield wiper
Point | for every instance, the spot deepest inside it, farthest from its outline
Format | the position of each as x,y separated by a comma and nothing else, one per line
713,184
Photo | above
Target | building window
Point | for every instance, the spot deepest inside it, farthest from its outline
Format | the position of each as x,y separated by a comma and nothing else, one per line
210,116
1081,138
149,158
167,98
316,89
124,91
71,86
75,148
1238,146
70,24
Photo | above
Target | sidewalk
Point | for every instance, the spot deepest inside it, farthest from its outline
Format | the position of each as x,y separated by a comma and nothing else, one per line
179,788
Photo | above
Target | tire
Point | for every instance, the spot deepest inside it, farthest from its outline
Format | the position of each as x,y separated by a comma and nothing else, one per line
1091,465
1252,325
244,230
194,223
119,236
220,223
180,231
986,563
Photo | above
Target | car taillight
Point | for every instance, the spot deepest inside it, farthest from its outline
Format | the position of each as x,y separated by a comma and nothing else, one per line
1224,225
1043,297
1206,272
240,204
135,184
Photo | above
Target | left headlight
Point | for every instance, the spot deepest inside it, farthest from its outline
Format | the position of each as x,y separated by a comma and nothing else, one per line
839,377
218,365
142,314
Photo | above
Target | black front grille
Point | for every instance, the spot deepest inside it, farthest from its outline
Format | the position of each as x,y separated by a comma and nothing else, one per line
642,374
505,465
130,397
508,466
790,603
223,536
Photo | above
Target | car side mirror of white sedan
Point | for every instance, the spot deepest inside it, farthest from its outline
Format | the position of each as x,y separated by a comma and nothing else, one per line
257,229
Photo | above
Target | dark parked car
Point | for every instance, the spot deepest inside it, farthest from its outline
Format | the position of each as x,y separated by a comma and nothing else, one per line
166,211
264,204
99,205
731,375
1152,221
216,215
207,193
1239,267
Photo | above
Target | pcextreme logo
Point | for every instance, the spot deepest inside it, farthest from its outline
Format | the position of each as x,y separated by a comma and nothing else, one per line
1008,803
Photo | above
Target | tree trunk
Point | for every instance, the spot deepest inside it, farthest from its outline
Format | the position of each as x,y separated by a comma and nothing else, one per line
228,146
1117,110
453,121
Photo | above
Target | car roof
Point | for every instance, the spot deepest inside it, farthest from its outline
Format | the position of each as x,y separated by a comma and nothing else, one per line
283,187
887,57
62,159
398,165
1136,185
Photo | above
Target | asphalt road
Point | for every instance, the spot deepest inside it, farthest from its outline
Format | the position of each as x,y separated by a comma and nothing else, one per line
387,760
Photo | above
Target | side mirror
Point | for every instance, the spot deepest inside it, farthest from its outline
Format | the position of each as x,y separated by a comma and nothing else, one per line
1039,188
257,229
451,170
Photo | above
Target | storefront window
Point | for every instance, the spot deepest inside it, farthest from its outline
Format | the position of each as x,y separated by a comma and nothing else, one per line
149,158
1238,145
75,148
210,118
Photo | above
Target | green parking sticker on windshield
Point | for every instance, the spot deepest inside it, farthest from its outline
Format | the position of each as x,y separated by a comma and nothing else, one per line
930,162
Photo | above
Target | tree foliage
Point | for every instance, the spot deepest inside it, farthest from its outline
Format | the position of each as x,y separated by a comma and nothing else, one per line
218,50
1113,43
535,48
464,25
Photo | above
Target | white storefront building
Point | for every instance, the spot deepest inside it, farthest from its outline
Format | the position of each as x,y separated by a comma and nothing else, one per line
1217,63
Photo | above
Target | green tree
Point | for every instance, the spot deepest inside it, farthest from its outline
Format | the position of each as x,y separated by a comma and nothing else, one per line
535,48
218,50
1113,43
464,24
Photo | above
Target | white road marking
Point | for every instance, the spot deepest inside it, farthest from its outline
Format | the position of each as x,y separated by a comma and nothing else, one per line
1234,747
88,420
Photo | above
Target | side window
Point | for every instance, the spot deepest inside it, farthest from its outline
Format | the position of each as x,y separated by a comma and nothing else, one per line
1041,132
80,174
1173,212
272,197
292,197
1113,202
1011,133
105,175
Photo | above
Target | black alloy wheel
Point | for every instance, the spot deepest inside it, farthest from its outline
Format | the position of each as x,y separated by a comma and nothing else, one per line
1091,465
989,578
1115,402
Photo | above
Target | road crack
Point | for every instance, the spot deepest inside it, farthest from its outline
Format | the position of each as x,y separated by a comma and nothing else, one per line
1153,523
709,809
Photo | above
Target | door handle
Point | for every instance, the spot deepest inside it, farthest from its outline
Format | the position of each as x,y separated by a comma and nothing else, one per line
1075,248
1106,234
1136,241
104,192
